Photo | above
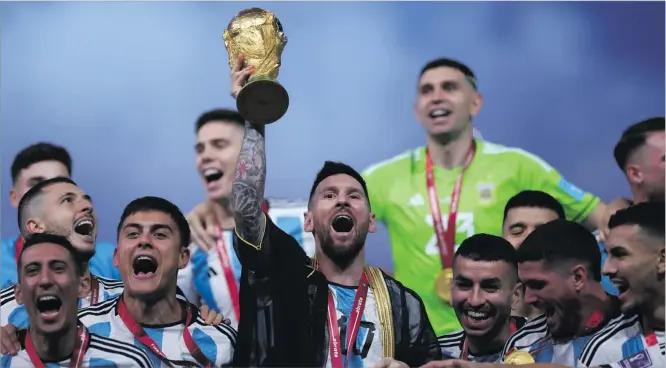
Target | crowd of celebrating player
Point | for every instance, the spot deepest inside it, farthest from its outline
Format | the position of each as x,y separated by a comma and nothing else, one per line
498,259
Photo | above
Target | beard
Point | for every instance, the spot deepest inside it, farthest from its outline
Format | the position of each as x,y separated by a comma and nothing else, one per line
340,255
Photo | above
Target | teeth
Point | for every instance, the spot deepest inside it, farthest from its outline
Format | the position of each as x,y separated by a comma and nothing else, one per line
440,112
141,258
208,172
85,222
47,298
478,315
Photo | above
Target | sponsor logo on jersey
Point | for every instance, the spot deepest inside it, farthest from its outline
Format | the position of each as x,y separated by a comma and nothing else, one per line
485,192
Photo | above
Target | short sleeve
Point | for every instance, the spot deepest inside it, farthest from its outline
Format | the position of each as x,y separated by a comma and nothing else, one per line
376,191
537,174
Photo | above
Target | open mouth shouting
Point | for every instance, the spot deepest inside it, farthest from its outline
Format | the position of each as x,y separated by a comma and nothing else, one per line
342,224
212,177
48,307
144,266
85,227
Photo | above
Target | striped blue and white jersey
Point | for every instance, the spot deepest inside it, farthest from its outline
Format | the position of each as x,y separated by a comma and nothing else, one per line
622,340
452,343
203,280
101,352
100,264
216,342
11,312
535,338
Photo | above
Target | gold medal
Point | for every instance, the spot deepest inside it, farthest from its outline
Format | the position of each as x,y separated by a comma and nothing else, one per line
519,358
443,284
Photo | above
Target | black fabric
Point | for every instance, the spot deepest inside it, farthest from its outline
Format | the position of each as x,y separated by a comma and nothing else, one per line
284,304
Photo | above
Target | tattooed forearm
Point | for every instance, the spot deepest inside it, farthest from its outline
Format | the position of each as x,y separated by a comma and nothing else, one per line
247,192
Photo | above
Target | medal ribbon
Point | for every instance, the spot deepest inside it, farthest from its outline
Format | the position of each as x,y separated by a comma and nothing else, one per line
225,261
464,352
80,347
352,327
94,290
446,239
143,337
18,246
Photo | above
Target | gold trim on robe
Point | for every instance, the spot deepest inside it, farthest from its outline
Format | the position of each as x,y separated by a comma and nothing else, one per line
384,308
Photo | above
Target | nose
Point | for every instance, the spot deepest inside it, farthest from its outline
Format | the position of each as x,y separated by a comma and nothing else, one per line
205,154
45,279
85,206
476,298
529,296
342,202
608,268
145,241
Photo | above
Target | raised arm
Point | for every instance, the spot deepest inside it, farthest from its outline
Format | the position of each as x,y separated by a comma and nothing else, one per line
247,192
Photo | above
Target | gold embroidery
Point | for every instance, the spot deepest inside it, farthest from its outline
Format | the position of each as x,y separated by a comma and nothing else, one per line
383,301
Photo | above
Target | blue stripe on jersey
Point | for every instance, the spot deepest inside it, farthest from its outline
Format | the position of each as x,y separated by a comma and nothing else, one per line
632,346
578,346
202,280
155,334
291,225
6,361
19,317
344,302
546,353
206,344
102,329
8,262
99,362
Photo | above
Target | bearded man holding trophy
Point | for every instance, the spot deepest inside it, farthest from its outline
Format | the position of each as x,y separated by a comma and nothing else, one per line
329,311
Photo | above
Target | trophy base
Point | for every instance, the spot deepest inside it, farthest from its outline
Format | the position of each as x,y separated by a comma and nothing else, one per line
262,101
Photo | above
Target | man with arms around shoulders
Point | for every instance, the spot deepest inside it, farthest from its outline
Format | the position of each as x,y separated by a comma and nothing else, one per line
153,236
213,273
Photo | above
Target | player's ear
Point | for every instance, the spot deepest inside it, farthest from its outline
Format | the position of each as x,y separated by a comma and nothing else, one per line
308,225
116,262
184,258
17,294
372,225
84,286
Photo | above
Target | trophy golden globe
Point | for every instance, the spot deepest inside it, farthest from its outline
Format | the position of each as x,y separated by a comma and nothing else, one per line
257,35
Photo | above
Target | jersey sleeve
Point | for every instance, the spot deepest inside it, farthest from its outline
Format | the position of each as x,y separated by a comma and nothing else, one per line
537,174
376,191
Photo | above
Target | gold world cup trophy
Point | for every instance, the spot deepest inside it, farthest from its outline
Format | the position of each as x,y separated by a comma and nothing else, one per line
257,34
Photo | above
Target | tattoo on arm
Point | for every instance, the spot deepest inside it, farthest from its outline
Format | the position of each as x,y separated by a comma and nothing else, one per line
247,192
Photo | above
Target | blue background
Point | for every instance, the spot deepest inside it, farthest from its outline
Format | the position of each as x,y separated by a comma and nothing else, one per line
120,85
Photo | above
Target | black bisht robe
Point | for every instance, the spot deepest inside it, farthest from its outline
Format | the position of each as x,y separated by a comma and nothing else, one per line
284,300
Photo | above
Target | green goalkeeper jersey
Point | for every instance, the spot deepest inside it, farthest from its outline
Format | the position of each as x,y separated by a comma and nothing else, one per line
398,195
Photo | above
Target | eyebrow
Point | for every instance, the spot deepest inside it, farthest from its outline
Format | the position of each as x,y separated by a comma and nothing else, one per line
153,227
85,196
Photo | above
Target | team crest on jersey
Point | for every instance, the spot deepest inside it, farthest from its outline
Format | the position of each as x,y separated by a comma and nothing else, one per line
485,192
